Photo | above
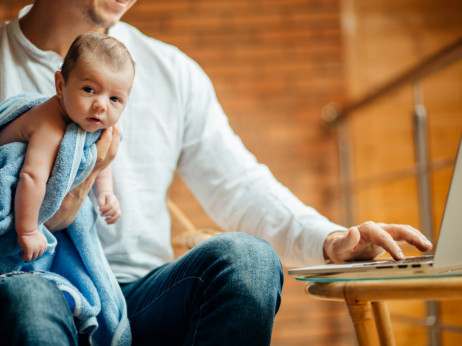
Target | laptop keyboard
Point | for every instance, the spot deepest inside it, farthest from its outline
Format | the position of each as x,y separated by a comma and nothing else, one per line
414,259
407,260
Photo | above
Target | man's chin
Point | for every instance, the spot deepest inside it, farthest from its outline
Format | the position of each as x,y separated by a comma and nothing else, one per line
104,22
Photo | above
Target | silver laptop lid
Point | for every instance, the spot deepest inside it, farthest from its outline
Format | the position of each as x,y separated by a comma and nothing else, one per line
449,249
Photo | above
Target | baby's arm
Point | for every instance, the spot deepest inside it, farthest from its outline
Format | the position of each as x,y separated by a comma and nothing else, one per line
107,201
40,156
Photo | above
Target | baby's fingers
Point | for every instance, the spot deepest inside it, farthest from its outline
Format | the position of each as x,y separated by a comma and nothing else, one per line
108,210
113,218
26,256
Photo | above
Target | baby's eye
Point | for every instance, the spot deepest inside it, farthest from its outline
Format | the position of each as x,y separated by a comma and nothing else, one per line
114,99
88,90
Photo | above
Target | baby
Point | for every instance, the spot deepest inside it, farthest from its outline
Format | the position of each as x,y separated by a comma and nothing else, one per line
92,90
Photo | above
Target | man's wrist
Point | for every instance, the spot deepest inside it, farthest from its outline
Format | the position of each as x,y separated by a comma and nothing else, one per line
82,190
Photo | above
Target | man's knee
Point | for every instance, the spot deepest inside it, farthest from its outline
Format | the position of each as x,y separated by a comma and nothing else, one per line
239,247
28,292
253,261
33,308
245,281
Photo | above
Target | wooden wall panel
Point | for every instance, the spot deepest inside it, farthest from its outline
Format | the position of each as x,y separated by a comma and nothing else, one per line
384,202
382,40
442,97
382,144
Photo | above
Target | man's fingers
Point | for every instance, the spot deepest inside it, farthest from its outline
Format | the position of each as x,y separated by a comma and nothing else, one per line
114,147
107,146
341,245
103,144
378,236
351,240
410,235
370,240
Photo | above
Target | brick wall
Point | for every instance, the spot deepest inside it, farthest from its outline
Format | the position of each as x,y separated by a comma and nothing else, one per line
274,64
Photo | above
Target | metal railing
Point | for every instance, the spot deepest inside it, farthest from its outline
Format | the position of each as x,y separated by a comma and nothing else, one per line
334,114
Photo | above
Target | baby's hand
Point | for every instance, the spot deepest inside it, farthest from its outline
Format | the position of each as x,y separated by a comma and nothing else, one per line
109,207
33,244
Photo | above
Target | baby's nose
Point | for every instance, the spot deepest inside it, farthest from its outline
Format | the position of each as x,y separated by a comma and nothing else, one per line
99,105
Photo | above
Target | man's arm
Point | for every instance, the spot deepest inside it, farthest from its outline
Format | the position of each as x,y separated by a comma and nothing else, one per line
241,194
106,147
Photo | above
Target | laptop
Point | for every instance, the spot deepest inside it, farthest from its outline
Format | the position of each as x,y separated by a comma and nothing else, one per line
447,260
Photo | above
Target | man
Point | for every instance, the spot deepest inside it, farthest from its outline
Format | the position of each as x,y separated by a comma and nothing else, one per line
224,291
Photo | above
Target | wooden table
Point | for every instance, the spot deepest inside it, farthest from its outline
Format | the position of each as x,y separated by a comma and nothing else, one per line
366,300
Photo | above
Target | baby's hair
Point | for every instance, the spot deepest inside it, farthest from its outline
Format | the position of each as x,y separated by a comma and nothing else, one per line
103,46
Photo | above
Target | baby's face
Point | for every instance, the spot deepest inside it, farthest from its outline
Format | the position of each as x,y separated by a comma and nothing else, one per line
95,95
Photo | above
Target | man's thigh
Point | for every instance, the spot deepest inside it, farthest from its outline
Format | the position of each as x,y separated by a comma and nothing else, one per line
211,286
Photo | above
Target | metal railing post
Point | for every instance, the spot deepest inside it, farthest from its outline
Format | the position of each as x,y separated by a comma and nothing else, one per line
425,200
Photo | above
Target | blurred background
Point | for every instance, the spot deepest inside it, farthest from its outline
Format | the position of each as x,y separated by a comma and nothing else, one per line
281,68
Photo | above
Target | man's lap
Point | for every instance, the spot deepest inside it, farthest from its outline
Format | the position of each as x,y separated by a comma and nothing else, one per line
180,302
183,301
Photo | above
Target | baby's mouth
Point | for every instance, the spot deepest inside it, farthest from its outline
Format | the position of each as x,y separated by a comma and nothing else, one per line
95,120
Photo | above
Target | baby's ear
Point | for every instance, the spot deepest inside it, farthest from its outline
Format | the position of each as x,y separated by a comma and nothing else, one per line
59,83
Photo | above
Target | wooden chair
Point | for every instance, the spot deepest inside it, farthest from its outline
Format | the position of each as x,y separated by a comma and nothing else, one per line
366,301
186,235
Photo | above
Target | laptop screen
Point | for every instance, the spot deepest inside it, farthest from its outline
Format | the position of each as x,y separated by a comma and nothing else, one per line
448,251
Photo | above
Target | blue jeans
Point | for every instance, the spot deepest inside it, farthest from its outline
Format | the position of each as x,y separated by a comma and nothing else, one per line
225,291
33,311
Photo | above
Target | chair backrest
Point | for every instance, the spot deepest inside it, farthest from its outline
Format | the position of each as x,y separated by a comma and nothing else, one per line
187,235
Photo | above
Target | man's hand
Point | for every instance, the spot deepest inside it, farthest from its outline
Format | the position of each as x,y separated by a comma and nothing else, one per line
106,148
370,240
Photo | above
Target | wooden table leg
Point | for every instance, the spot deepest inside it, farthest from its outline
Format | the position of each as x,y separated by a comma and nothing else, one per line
359,294
361,316
383,323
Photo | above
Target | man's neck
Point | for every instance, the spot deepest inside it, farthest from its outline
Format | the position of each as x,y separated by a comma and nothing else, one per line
53,27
